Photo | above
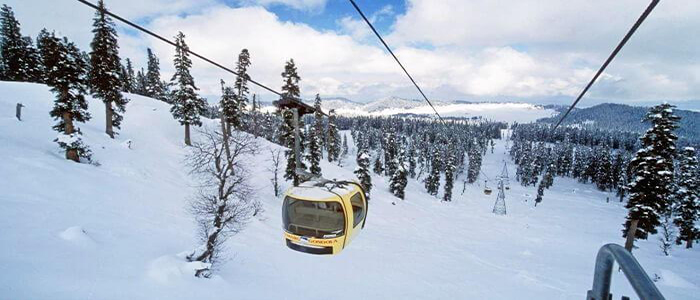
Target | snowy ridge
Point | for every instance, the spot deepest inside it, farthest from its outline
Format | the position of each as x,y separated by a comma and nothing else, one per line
499,111
119,230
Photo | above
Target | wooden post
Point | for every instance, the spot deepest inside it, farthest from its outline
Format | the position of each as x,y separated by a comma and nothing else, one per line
297,146
629,244
18,113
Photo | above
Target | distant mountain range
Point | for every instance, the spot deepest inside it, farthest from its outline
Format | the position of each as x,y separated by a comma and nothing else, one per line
628,118
501,111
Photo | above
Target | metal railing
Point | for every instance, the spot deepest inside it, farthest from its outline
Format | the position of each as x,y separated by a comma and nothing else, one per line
640,281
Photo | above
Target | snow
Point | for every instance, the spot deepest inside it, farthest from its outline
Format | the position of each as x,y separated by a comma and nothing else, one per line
121,230
503,111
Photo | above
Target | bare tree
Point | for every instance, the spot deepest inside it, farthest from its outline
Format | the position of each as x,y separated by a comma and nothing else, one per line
225,200
275,159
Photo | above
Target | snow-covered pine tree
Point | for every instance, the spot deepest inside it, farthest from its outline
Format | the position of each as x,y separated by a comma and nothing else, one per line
546,182
363,162
140,83
450,168
399,179
650,186
346,149
187,106
128,77
153,86
603,176
241,87
66,76
19,60
287,140
291,79
333,138
104,78
688,198
314,145
229,107
475,159
315,141
378,167
255,114
317,130
432,182
412,162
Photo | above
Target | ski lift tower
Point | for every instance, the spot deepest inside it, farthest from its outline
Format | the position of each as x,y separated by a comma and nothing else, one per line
504,174
499,207
299,109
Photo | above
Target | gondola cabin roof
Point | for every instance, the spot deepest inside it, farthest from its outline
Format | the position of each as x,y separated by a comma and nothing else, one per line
289,103
318,191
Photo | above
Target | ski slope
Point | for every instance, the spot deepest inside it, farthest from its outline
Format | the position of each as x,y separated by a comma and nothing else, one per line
115,231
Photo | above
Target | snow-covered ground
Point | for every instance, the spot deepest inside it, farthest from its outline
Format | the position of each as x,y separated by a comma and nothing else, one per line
114,231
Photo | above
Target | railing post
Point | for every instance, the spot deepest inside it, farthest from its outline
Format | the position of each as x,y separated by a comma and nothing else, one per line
602,278
18,112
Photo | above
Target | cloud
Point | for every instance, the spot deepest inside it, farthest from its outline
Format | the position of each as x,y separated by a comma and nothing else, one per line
555,40
471,50
307,5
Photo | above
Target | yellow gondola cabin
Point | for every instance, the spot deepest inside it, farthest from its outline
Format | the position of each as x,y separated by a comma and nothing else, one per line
322,217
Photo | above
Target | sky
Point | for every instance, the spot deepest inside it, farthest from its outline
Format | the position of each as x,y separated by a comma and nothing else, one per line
539,51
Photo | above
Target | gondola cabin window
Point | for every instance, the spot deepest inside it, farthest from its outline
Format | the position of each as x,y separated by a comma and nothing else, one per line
313,218
358,209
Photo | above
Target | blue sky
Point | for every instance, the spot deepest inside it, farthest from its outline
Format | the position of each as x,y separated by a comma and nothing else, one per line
334,10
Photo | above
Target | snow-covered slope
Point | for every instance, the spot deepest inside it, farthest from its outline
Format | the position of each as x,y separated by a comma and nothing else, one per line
77,231
500,111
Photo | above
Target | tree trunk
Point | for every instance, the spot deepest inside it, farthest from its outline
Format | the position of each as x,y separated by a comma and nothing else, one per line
109,114
71,153
689,243
187,135
225,134
629,244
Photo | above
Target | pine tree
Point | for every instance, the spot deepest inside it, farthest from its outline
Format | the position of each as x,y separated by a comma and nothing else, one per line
474,162
399,179
412,163
688,196
346,149
140,83
229,107
66,77
291,79
651,185
333,138
546,182
603,176
449,176
363,161
104,78
317,130
153,86
314,155
187,105
287,138
316,139
19,60
378,167
432,182
128,77
241,88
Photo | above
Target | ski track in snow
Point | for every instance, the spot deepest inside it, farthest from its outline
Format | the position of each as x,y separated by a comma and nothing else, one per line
118,231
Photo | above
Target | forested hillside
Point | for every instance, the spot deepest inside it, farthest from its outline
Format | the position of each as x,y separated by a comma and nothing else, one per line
628,118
